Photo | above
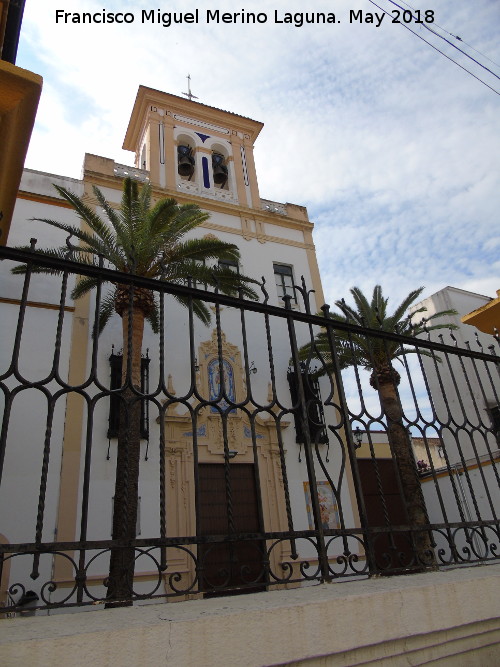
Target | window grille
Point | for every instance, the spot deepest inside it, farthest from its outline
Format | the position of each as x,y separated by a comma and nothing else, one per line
495,420
115,362
314,407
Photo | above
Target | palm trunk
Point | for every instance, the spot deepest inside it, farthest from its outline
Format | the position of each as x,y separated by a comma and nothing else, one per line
125,503
402,452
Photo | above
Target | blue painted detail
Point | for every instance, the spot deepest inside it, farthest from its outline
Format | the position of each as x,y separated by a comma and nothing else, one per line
202,431
248,433
203,137
214,384
206,174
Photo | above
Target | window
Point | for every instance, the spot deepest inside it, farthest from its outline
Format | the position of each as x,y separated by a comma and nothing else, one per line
198,284
115,362
227,264
314,407
283,276
495,420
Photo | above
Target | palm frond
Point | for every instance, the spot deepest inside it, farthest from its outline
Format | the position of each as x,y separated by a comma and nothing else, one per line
59,253
402,309
106,310
96,224
199,308
145,197
148,241
203,249
186,218
84,286
232,283
113,217
94,245
371,352
129,208
153,317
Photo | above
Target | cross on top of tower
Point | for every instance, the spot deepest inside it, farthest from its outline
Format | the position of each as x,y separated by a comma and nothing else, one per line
189,94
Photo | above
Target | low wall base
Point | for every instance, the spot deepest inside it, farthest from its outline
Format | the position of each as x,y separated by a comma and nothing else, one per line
443,618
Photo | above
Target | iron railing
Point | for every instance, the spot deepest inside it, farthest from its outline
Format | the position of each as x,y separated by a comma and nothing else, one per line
230,500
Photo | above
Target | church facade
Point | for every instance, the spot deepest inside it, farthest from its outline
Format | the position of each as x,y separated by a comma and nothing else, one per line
192,451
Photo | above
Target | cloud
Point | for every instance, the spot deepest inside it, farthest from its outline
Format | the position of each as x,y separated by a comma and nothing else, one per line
393,148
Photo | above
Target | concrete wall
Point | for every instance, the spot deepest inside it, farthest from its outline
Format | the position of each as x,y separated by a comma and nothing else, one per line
443,618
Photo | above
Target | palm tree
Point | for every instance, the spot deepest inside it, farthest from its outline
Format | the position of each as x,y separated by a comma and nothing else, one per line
377,355
148,241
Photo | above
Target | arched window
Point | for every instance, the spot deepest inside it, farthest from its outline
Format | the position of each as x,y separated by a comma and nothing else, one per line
186,163
220,170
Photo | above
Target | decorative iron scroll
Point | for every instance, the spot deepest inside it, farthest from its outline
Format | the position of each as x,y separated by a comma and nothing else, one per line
56,552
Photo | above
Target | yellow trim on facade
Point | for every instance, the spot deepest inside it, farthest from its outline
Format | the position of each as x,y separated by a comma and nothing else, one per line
486,318
67,511
454,470
19,95
43,199
252,175
238,169
36,304
314,268
170,149
205,203
154,148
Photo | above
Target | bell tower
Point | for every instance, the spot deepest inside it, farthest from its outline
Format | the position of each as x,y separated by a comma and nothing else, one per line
193,149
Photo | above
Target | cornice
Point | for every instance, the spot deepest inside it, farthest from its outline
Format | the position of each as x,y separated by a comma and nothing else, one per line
37,304
43,199
148,97
206,203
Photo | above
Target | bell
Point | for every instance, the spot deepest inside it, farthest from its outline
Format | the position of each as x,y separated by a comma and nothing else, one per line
185,161
219,169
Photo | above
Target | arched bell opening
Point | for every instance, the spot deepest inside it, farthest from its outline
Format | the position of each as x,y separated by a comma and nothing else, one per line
220,170
186,159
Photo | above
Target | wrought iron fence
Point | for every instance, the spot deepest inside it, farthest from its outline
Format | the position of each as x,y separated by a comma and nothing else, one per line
237,488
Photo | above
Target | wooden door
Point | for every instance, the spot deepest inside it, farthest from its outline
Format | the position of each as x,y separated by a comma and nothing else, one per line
393,551
236,566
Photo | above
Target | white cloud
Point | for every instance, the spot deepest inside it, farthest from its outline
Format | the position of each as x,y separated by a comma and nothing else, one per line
393,148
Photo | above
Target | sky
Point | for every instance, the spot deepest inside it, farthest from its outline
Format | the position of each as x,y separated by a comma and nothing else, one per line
392,146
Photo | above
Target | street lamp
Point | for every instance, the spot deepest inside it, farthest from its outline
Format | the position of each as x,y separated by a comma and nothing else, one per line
358,437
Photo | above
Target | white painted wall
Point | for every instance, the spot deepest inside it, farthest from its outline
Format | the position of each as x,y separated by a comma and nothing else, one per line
472,495
26,437
30,410
470,387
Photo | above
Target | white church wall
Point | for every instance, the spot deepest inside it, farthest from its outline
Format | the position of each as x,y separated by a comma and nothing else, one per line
462,390
454,490
262,244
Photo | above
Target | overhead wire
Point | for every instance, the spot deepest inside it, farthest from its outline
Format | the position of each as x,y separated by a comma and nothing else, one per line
424,25
439,50
457,37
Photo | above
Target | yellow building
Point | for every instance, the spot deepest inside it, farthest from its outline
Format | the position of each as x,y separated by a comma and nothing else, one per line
19,94
486,318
